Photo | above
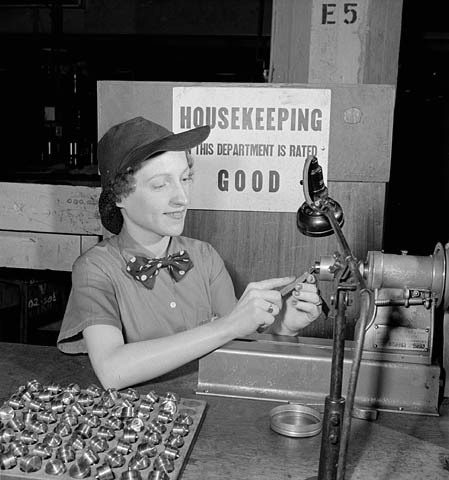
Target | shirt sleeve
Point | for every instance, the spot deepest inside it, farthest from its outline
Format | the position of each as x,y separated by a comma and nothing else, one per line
92,301
223,298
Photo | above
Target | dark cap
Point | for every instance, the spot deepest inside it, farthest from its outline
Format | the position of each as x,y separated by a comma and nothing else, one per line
129,143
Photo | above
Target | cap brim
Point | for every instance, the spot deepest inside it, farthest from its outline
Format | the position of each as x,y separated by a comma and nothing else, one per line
177,142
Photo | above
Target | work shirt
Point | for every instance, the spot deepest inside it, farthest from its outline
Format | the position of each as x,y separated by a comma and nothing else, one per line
104,293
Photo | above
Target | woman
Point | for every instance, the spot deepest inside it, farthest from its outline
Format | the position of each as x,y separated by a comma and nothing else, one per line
149,300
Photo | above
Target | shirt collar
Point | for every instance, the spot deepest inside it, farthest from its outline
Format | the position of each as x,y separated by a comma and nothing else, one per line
129,247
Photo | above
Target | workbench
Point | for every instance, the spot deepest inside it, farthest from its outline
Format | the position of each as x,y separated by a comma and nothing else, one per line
235,440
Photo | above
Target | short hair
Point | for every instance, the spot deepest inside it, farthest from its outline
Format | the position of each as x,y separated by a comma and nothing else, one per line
122,185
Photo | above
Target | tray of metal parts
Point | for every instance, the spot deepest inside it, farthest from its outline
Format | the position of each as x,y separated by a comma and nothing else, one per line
52,431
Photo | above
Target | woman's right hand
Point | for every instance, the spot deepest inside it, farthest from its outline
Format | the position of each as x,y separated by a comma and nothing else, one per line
257,307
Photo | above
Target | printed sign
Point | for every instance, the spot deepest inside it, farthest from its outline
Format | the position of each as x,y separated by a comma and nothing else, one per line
260,137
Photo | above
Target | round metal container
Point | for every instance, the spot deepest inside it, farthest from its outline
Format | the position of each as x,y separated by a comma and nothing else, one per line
295,420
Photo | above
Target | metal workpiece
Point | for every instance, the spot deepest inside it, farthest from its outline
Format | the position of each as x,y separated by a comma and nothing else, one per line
123,447
76,442
158,475
98,444
73,388
90,456
183,419
130,394
82,438
67,398
94,390
42,450
146,407
130,435
92,420
114,458
28,437
99,411
53,439
46,417
69,418
18,448
163,464
176,441
30,463
37,427
148,449
77,409
7,460
165,417
79,469
171,453
114,423
7,434
127,411
169,406
152,397
157,426
55,467
136,424
16,402
139,462
106,433
85,400
84,430
6,413
180,429
63,429
16,424
104,472
65,453
152,437
132,474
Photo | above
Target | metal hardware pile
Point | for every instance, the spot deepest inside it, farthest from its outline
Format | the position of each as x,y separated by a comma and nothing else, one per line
51,431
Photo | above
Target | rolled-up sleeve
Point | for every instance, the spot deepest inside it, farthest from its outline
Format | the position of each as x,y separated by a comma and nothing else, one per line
92,301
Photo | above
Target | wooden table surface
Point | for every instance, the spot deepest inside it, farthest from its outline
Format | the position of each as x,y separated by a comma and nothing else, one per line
235,440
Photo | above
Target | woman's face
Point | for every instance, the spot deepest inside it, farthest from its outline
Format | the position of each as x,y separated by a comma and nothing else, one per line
158,205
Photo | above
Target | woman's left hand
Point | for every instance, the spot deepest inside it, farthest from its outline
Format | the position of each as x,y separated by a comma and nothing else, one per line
300,309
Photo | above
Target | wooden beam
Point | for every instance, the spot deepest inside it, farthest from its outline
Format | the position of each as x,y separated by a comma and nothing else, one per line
322,41
40,251
50,208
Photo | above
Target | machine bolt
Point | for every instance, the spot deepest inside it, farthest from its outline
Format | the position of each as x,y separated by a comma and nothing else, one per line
334,420
333,438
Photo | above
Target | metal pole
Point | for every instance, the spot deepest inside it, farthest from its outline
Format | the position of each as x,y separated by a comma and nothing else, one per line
334,404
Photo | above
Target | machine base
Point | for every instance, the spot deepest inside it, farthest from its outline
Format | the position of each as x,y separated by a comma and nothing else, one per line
297,369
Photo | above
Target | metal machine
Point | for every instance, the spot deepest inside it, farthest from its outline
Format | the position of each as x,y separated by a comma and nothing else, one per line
392,363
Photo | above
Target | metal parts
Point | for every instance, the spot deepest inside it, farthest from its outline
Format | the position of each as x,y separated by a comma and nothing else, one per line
75,433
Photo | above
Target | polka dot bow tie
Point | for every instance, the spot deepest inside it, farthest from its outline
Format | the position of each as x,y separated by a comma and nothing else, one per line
145,270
